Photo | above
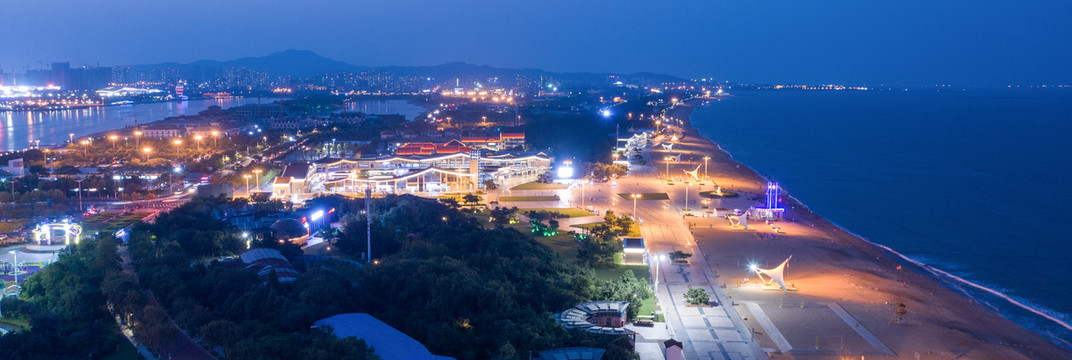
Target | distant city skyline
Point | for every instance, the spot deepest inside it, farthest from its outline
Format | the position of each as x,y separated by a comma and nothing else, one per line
912,43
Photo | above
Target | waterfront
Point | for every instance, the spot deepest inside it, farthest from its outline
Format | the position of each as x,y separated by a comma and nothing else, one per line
964,182
20,129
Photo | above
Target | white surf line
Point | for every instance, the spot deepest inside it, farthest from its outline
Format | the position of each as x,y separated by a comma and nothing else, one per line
860,329
768,326
937,271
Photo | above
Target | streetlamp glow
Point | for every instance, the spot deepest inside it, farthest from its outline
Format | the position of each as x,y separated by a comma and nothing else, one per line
147,151
198,138
113,138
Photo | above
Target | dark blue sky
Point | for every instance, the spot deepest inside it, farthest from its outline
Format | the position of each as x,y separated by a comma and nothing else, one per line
912,42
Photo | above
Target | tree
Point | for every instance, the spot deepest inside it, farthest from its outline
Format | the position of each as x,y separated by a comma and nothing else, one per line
697,296
501,215
679,255
471,198
450,202
490,184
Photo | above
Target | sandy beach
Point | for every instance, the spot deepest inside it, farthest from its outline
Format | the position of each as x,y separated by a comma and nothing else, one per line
847,290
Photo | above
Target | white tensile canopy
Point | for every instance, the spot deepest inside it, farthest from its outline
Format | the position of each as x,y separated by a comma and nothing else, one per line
695,174
776,274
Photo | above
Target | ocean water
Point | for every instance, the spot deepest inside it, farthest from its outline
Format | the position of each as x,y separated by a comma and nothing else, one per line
975,184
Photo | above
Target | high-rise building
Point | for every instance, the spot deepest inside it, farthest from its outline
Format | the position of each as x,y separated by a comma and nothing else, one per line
59,74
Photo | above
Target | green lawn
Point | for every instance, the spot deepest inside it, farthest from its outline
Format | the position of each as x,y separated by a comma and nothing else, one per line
106,224
646,196
539,186
640,271
562,244
529,198
565,212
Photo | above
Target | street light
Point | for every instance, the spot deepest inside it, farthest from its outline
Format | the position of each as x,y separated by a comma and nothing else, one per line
137,138
705,158
198,138
79,181
15,254
215,135
247,184
113,138
658,261
147,151
687,184
71,135
635,197
257,179
667,159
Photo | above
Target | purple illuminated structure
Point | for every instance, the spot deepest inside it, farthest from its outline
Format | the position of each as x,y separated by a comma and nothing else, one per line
773,210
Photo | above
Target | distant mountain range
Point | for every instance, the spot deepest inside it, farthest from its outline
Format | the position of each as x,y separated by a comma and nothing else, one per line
303,63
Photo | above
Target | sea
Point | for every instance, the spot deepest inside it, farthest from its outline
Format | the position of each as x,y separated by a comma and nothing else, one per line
21,129
975,186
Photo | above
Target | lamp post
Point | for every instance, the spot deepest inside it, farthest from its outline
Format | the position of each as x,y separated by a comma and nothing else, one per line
247,184
71,136
657,123
705,158
147,151
215,135
658,262
16,263
257,179
79,181
137,138
667,159
198,138
687,184
635,197
113,138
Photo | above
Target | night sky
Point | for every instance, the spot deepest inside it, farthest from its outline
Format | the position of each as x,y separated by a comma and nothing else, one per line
958,42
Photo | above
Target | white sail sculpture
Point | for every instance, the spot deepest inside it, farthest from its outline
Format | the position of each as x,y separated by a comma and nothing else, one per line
694,174
776,274
668,147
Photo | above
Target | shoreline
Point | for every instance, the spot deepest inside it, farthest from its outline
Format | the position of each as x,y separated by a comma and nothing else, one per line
747,180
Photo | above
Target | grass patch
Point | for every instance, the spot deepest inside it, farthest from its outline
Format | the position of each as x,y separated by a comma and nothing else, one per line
649,306
642,272
529,198
646,196
110,222
563,212
562,244
16,322
713,195
540,186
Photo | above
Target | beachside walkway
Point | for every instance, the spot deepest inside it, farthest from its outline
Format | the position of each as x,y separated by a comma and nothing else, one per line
715,332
